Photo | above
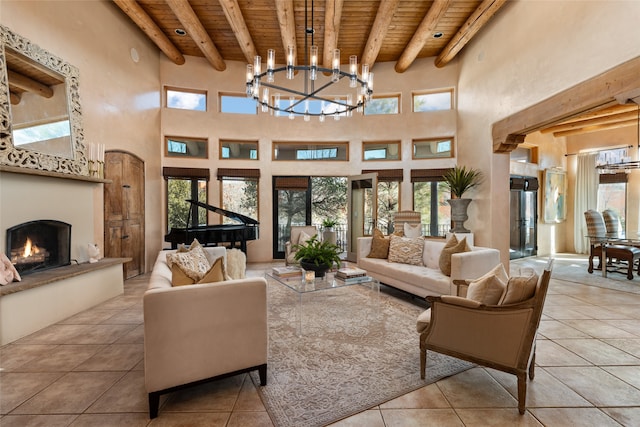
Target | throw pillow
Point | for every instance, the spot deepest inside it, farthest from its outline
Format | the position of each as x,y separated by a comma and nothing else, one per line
303,237
412,230
183,248
406,250
216,273
179,277
451,247
379,245
520,288
489,288
193,263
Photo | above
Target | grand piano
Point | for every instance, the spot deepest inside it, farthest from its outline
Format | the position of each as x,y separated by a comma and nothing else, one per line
213,235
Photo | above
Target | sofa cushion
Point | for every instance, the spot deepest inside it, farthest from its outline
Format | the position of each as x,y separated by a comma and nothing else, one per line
302,239
412,230
179,277
379,245
193,263
451,247
490,287
406,250
520,288
182,248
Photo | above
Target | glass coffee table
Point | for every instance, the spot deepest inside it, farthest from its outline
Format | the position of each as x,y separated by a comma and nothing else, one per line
305,289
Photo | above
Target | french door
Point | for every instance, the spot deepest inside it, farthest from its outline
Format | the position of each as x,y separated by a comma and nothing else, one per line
291,206
362,208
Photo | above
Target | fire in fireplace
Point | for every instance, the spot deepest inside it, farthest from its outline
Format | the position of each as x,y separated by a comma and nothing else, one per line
39,245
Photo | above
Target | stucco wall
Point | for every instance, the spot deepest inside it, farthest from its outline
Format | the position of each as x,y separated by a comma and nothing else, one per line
213,125
120,100
528,52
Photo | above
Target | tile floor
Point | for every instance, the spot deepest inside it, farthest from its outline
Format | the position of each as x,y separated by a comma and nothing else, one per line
88,370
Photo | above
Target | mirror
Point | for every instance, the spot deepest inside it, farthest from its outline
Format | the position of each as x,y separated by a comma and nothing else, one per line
40,115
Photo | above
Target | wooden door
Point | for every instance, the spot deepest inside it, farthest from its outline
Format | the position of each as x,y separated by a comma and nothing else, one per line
124,210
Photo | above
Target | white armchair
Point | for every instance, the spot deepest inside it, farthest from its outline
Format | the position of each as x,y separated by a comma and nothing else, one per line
294,238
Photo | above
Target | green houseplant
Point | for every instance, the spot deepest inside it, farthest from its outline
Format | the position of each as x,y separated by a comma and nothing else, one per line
328,233
317,256
460,180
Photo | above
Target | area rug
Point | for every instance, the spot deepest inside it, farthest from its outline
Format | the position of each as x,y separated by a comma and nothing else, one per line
354,353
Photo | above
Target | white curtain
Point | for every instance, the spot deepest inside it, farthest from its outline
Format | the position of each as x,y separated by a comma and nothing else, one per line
586,198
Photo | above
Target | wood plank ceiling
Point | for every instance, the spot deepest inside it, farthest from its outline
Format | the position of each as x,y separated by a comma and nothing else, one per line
374,30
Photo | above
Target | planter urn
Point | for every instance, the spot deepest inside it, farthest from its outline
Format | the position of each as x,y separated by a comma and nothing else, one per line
459,214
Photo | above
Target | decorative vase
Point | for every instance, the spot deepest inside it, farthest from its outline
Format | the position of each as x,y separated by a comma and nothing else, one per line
328,235
319,270
459,214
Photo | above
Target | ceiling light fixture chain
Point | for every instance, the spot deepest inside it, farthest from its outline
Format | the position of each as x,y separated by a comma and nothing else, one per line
314,101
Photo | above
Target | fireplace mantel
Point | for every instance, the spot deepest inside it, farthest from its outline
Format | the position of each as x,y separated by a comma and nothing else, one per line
27,171
35,280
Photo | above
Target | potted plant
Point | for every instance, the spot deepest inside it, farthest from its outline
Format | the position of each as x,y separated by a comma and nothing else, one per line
460,180
317,256
328,233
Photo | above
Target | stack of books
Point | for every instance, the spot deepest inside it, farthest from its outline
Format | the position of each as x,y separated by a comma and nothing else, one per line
285,272
352,275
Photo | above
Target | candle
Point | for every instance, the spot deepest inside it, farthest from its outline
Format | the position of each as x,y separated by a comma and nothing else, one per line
309,276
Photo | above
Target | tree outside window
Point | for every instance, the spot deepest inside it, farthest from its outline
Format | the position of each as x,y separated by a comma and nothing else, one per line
179,190
240,195
430,199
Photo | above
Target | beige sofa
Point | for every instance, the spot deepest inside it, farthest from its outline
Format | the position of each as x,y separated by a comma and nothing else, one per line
427,279
197,333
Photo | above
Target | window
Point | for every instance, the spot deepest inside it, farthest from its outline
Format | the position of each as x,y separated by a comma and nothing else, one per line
381,151
432,148
185,184
237,104
616,155
388,197
524,154
239,192
186,147
612,194
382,105
433,101
315,151
186,99
239,150
42,132
429,198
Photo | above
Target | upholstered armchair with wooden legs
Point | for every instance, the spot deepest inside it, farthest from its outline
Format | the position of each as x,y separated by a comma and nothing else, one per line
294,239
501,337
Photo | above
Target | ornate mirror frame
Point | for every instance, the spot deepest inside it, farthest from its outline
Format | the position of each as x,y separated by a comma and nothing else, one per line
12,156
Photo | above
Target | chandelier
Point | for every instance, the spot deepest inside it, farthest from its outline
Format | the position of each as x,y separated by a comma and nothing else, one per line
312,101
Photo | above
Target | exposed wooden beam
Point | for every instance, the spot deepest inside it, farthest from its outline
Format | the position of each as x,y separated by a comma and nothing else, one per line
602,120
286,20
597,128
15,98
238,25
196,31
332,17
616,109
596,93
133,10
26,83
422,34
476,21
379,29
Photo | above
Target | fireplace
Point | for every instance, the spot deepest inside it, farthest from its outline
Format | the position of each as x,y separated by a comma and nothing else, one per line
39,245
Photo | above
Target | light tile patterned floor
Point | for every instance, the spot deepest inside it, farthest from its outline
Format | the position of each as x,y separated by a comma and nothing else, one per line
88,370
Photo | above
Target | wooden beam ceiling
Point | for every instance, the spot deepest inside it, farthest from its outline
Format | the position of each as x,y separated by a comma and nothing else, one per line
236,20
192,25
476,21
378,31
332,17
151,29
